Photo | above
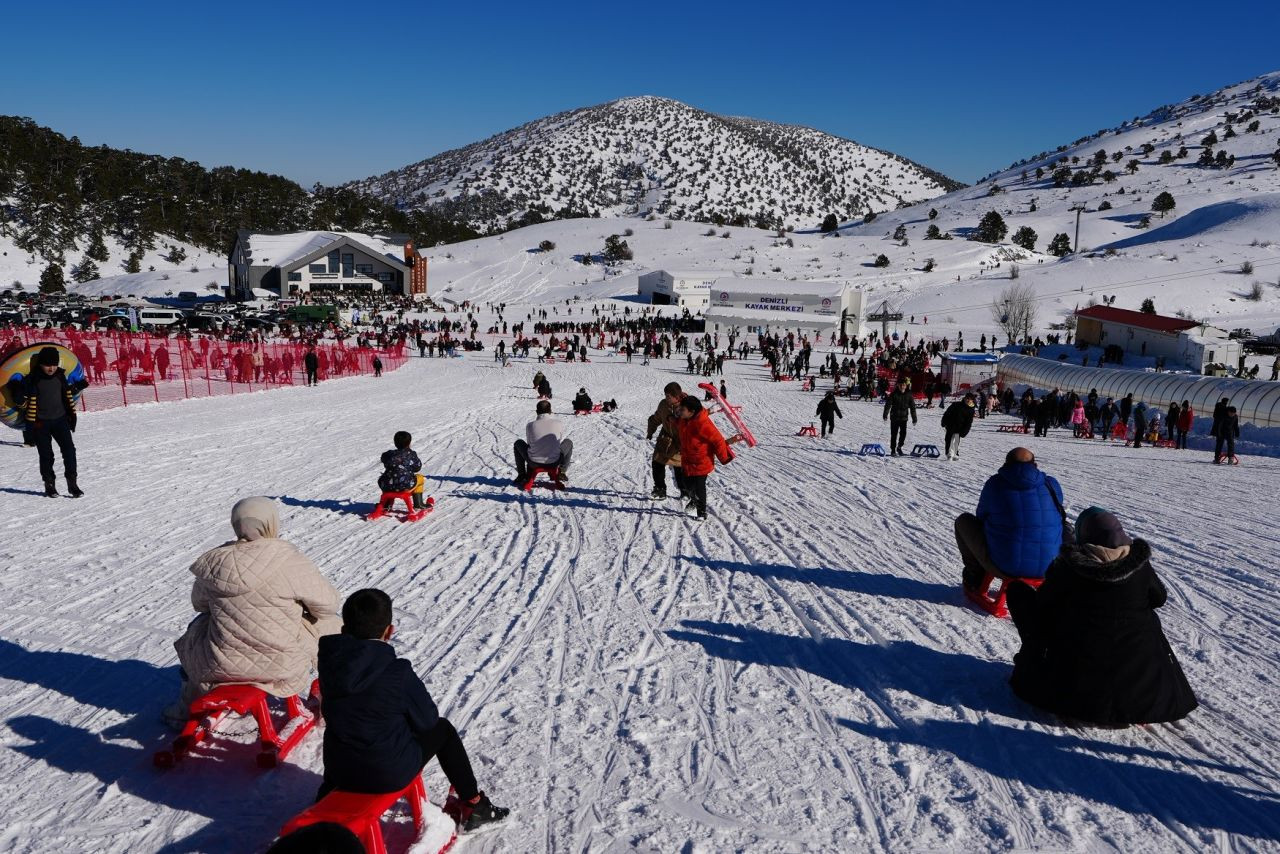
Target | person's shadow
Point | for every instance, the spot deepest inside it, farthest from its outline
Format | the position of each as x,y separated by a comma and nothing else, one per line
246,806
869,583
942,678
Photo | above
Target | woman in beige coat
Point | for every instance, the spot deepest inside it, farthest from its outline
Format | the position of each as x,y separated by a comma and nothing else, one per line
262,608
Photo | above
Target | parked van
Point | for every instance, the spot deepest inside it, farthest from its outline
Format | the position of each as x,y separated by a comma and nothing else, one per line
154,318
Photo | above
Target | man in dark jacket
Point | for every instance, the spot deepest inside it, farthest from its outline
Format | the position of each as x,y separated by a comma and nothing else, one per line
1227,431
1126,408
897,407
311,362
828,410
1092,647
1018,527
381,725
957,421
47,403
666,451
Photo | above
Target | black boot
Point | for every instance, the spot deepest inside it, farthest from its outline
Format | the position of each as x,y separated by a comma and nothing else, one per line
73,487
50,489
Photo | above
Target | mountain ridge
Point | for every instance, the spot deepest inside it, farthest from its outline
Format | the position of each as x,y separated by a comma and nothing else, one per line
650,155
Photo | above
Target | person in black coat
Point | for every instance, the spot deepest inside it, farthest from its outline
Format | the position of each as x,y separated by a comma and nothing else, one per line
828,410
1126,407
1093,650
957,421
381,725
898,406
46,401
311,362
1227,431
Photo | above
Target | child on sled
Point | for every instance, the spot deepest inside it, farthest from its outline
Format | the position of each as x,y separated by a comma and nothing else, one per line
401,468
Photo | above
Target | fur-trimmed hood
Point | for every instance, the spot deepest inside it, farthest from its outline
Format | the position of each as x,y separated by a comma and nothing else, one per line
1099,563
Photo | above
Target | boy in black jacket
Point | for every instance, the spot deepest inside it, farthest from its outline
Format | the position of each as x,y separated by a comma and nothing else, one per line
381,726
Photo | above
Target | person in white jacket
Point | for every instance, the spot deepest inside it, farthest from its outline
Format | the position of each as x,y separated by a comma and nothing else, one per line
263,607
544,445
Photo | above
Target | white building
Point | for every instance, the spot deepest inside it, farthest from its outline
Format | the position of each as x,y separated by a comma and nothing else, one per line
689,289
303,261
1177,340
773,305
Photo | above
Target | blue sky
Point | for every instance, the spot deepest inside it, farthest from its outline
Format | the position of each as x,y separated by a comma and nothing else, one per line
328,92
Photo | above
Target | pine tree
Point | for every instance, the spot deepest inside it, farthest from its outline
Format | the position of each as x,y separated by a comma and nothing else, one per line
1148,306
1163,203
1060,245
134,262
932,232
882,260
829,224
933,213
616,249
85,271
900,233
52,280
991,229
97,247
1026,238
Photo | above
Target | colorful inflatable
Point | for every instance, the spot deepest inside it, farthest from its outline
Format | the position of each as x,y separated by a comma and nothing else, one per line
18,364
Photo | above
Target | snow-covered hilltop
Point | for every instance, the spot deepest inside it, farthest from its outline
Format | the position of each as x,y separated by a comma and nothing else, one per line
653,155
1214,256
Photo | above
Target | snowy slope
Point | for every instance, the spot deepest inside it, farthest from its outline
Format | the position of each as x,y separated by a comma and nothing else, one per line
648,154
799,673
199,269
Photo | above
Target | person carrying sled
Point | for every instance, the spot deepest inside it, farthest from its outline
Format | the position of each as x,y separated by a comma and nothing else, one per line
828,411
543,445
46,401
1018,526
666,451
700,446
402,470
1092,649
957,421
897,407
582,402
381,725
262,606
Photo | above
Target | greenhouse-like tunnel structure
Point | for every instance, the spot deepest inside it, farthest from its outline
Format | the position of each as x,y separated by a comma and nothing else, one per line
1257,402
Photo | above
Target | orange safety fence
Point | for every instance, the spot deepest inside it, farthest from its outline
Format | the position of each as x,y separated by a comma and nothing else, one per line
126,368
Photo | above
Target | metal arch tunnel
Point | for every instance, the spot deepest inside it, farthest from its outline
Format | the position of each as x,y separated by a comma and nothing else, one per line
1257,402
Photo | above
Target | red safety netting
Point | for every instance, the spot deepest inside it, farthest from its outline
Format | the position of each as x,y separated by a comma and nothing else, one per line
126,368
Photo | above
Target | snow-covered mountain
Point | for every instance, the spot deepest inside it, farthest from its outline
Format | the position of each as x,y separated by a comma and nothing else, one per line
1202,258
642,155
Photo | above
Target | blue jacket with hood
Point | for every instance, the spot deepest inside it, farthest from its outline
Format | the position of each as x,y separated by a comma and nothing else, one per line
1021,520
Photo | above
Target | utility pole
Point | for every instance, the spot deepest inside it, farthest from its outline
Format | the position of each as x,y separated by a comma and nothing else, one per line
1079,209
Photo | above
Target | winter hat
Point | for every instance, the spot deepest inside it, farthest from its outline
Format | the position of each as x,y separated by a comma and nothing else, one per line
48,356
1099,527
255,518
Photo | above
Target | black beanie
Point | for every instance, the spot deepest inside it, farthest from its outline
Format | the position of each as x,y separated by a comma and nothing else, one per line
48,356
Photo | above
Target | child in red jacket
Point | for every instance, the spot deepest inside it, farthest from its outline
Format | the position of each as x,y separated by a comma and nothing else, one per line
700,446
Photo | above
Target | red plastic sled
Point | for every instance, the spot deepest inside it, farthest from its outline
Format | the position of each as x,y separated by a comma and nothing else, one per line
551,471
995,605
362,814
208,711
731,412
411,514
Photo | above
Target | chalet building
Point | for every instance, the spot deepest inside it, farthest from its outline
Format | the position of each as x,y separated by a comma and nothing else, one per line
315,261
1174,339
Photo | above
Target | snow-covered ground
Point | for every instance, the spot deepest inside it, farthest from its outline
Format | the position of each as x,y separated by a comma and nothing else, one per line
799,673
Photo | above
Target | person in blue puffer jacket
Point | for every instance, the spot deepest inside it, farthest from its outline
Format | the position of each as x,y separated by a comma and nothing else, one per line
1018,528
